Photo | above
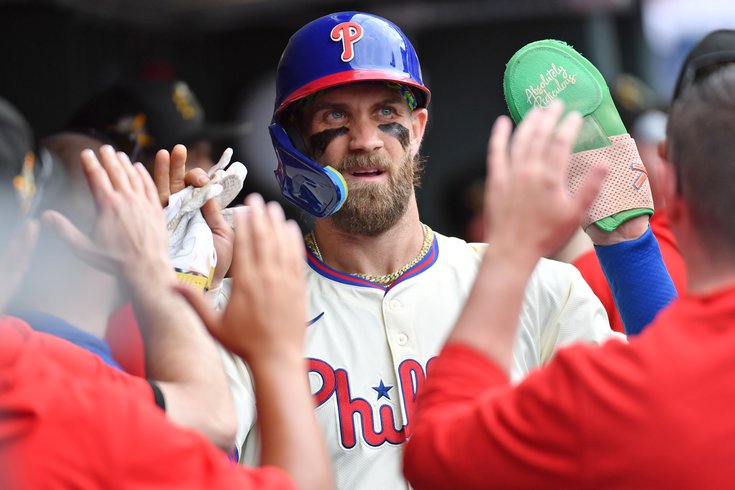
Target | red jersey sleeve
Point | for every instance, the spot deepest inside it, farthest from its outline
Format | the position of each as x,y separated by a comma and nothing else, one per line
473,430
72,421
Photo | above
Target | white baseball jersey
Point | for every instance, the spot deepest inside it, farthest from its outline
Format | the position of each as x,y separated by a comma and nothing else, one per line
369,347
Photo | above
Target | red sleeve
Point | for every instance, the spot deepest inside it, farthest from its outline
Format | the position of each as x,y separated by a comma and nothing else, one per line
125,341
75,422
152,453
474,430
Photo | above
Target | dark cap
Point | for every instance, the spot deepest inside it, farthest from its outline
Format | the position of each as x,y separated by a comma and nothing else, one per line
23,171
16,141
145,116
714,51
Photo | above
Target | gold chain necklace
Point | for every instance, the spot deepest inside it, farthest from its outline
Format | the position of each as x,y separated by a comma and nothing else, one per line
387,279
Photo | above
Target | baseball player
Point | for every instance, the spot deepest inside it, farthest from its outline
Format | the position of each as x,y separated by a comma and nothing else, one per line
384,289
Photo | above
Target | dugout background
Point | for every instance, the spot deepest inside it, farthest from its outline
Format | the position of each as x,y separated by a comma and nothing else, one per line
57,53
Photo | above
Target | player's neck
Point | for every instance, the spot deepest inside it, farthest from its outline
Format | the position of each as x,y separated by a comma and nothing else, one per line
708,269
378,255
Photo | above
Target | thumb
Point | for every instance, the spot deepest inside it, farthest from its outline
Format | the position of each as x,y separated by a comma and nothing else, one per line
213,217
201,306
78,242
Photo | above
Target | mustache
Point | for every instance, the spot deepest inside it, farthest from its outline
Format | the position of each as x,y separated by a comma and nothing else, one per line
364,160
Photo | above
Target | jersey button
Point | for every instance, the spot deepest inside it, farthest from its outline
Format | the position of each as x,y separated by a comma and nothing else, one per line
402,339
394,304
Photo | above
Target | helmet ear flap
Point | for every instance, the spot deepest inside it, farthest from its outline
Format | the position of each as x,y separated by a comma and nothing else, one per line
296,138
320,191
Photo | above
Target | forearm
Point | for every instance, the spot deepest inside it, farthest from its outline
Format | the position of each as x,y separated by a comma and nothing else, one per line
640,284
181,355
291,438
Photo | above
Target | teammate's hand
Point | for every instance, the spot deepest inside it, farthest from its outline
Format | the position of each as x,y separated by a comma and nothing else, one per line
528,210
170,176
265,314
129,234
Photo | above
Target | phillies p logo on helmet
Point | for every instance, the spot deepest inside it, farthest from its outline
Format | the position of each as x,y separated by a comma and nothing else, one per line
349,33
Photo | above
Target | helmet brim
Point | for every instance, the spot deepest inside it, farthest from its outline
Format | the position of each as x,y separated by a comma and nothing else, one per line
423,95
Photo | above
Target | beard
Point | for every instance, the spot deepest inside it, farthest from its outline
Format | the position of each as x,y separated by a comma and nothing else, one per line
372,208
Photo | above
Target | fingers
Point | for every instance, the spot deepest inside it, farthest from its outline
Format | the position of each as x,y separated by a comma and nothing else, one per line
559,150
160,176
133,177
590,188
241,255
295,250
97,178
177,169
497,152
148,186
257,229
115,171
196,177
521,139
277,236
77,242
542,133
212,214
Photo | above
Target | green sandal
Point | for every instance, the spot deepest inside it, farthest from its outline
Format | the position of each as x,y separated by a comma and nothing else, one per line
546,70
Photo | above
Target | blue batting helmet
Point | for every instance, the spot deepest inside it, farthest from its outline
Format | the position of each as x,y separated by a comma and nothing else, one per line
336,49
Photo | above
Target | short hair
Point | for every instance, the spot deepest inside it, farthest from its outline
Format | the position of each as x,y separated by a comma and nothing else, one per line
701,146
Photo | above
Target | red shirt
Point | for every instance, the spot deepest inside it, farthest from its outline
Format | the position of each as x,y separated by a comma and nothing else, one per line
589,267
67,420
655,413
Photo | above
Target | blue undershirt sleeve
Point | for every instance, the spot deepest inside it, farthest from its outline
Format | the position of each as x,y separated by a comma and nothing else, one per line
639,281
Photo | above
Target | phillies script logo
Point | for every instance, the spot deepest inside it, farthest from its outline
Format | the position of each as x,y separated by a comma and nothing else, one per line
336,383
349,33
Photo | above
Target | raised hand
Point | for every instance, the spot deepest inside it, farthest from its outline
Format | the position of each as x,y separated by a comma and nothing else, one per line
129,228
170,177
528,208
267,306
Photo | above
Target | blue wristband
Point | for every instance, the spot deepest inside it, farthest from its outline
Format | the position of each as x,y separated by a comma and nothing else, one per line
639,281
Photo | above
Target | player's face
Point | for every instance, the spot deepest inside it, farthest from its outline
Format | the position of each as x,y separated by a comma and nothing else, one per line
370,135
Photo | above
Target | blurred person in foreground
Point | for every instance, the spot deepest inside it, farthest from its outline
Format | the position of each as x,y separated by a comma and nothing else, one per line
112,425
654,413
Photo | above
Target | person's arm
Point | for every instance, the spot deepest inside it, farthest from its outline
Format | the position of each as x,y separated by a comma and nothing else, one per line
129,240
639,281
171,177
264,324
476,431
529,215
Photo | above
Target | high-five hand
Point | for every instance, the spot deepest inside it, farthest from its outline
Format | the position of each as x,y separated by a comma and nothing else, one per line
528,208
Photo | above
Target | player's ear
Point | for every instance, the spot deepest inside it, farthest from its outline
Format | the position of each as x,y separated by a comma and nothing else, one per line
668,183
419,117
